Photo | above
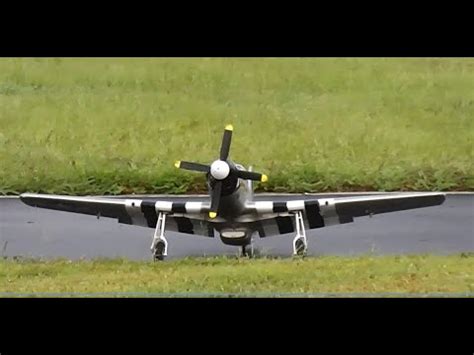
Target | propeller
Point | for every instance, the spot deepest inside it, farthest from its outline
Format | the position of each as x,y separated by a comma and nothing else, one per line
221,171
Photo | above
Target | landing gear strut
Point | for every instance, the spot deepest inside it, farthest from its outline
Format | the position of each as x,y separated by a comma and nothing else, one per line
300,243
159,245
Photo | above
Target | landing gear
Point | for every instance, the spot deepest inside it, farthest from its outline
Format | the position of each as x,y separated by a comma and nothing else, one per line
300,244
159,251
248,250
299,248
159,245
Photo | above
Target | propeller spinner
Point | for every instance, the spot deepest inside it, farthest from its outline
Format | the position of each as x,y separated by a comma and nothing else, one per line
221,170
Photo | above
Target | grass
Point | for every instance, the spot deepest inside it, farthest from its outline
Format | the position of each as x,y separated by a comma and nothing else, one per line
420,274
115,126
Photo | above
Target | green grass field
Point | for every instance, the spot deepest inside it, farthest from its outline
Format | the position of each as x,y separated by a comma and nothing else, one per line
221,275
114,126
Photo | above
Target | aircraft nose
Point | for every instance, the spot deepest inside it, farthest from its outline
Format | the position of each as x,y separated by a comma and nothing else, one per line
220,170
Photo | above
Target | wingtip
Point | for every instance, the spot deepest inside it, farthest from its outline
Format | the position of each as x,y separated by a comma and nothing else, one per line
229,127
264,178
177,163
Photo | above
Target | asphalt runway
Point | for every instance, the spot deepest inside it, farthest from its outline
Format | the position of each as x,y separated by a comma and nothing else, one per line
34,232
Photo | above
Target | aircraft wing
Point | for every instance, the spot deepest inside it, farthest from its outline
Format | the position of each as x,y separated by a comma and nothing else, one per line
190,217
273,218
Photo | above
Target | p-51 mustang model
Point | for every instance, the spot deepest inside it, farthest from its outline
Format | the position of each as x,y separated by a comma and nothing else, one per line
231,210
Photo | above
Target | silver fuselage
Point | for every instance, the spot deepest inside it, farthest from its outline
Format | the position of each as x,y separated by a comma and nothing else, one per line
232,206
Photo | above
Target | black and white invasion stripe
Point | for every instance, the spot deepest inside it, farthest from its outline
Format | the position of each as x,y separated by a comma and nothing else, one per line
179,215
310,209
317,213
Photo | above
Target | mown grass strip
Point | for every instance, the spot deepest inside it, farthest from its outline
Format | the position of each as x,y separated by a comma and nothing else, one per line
223,276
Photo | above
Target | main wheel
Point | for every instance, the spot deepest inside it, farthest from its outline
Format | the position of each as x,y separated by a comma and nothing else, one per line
300,247
158,252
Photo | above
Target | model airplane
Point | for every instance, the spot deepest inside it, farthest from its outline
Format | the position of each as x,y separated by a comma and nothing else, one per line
231,210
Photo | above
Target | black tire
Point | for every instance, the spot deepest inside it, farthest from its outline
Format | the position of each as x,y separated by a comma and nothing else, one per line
158,258
158,252
300,247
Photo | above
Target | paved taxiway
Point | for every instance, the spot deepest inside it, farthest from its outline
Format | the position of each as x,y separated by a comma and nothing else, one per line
444,229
